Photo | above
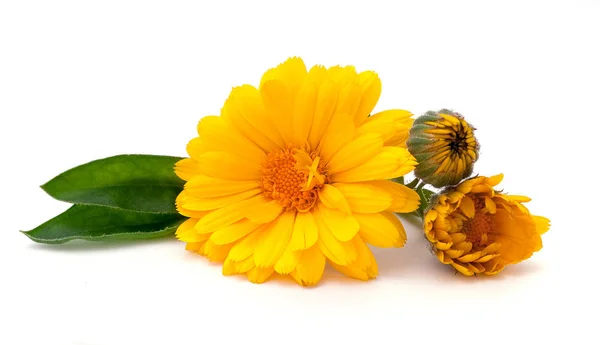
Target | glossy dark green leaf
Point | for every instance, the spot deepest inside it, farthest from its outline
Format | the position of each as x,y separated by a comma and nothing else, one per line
143,183
97,223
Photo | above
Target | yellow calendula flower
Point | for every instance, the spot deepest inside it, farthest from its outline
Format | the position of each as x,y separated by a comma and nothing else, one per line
295,173
479,230
444,144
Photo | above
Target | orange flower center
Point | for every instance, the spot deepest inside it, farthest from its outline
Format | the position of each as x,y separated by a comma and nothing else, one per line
478,227
293,177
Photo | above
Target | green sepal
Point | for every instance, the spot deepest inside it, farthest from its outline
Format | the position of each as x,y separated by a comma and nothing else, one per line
142,183
421,141
425,195
97,223
418,130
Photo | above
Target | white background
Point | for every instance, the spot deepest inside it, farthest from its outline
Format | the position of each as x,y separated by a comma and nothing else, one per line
82,80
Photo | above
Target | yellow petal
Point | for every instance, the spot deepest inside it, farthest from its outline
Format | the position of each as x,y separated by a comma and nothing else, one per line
458,238
492,248
184,211
493,267
364,267
348,101
341,253
517,198
339,132
206,186
324,110
475,267
288,261
486,258
392,125
305,232
274,240
466,186
453,253
186,169
246,247
517,236
259,275
195,147
481,188
227,215
196,247
389,163
495,180
263,211
343,75
332,198
318,75
342,225
186,232
244,111
228,166
404,199
216,253
233,232
205,204
381,229
462,268
303,112
470,257
245,265
310,267
370,85
228,268
490,205
355,152
278,103
542,224
365,197
467,206
291,73
401,134
216,135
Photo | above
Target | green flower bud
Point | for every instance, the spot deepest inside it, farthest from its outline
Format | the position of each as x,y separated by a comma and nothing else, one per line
445,147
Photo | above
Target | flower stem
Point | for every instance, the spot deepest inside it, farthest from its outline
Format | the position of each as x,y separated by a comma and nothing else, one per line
420,186
413,183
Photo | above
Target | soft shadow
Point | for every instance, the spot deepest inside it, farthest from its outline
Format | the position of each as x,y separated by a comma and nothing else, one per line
522,269
414,221
413,262
86,246
331,275
415,259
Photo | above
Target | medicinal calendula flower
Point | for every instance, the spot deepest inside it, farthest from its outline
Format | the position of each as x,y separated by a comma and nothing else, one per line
479,230
445,147
295,173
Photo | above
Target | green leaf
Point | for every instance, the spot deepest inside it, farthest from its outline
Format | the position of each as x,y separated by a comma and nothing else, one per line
425,195
143,183
97,223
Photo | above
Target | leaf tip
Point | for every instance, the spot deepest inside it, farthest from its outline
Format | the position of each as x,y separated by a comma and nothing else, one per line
27,233
40,240
47,187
